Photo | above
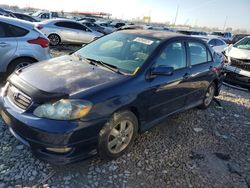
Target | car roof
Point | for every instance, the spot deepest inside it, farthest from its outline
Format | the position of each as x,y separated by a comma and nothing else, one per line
58,20
162,35
17,22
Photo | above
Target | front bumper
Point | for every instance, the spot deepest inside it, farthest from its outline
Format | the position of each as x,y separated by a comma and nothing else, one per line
39,134
237,76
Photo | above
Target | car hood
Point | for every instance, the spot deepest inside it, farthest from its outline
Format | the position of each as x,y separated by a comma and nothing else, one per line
66,75
238,53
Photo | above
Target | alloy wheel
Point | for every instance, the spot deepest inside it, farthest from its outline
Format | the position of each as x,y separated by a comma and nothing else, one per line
54,40
209,95
120,136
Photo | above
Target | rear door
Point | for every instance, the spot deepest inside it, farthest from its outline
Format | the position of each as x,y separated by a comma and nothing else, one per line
67,31
168,93
201,66
84,34
8,45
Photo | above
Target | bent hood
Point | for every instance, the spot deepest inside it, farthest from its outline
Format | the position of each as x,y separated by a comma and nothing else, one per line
238,53
66,75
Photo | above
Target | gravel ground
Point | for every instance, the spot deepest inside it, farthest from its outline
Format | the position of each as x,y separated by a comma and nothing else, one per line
196,148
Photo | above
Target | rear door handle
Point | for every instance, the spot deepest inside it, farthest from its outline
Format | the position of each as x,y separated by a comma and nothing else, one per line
186,76
3,44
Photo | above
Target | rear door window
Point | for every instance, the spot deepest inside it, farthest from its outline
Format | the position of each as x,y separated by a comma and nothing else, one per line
8,30
198,53
72,25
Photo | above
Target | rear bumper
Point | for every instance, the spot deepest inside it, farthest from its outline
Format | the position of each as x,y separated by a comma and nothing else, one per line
40,134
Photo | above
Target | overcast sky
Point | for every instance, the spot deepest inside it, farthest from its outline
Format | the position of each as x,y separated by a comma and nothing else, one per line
211,13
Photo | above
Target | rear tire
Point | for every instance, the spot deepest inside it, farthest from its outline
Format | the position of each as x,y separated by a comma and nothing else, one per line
118,135
54,39
208,98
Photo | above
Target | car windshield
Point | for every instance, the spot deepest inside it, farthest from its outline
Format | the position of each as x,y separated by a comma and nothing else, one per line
126,52
243,44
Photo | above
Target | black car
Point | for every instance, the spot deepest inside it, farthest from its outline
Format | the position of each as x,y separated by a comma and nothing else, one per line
25,17
98,99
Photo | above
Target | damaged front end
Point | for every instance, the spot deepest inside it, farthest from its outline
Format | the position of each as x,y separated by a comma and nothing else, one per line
237,72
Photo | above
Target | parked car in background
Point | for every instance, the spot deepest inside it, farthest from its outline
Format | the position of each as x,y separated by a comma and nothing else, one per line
238,37
25,17
94,27
108,28
87,19
216,43
190,32
45,15
117,24
20,45
226,36
67,31
7,13
238,66
99,98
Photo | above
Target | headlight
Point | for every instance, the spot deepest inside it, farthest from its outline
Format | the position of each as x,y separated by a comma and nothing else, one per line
64,109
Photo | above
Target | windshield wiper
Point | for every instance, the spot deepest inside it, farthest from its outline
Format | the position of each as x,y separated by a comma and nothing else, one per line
98,62
108,66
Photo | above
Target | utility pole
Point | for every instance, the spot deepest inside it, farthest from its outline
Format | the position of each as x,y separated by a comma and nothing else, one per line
224,27
176,15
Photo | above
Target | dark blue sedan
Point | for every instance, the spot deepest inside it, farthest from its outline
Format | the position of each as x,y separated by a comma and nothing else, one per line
98,99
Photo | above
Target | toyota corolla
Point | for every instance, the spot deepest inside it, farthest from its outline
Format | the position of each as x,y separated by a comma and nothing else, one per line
98,99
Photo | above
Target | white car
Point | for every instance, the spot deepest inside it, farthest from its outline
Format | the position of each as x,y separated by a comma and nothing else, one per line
215,42
67,31
238,66
20,45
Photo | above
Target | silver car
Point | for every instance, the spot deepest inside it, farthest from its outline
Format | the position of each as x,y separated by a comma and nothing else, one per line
20,44
67,31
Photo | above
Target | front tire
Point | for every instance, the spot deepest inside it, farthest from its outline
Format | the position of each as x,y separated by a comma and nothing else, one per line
209,96
118,135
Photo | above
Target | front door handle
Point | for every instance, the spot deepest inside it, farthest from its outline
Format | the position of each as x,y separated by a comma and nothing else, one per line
186,76
3,44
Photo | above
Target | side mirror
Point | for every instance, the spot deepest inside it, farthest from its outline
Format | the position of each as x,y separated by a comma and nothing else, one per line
162,71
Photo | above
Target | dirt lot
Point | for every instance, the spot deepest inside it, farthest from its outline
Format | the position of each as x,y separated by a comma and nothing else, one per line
196,148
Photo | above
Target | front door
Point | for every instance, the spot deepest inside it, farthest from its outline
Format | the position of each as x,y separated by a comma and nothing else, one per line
168,93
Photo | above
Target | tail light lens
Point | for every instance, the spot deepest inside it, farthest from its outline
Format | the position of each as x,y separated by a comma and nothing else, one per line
44,43
39,27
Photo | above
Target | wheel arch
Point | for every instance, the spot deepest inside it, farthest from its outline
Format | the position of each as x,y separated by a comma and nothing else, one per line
18,58
134,110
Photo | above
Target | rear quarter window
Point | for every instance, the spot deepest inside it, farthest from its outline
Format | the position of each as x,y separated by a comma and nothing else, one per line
17,31
8,30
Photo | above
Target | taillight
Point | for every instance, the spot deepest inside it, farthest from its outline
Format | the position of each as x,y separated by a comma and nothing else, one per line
40,41
39,27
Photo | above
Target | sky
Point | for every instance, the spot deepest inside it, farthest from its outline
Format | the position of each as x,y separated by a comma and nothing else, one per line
210,13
